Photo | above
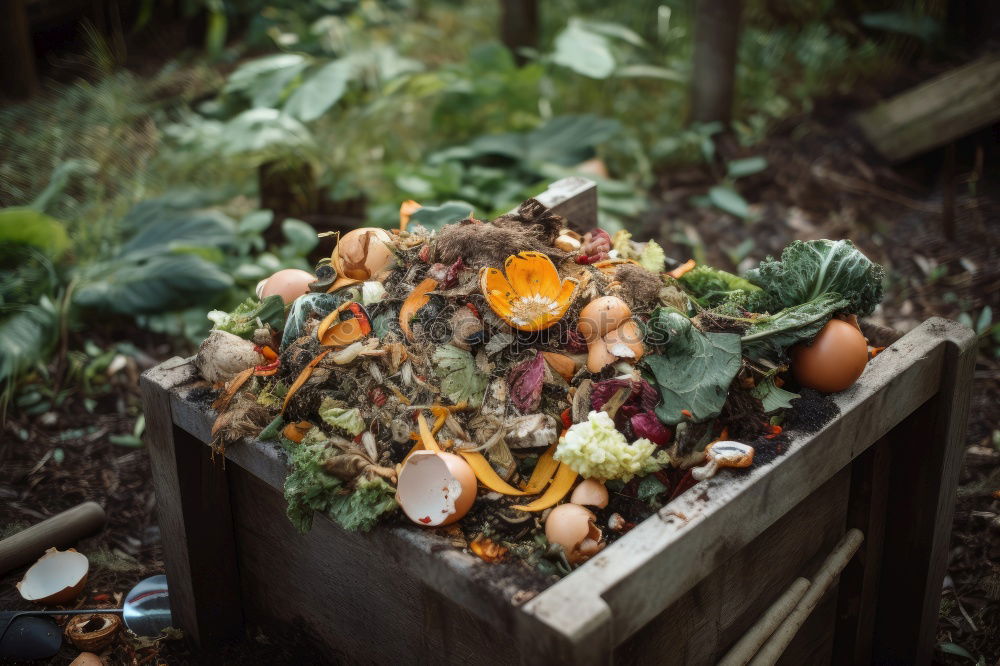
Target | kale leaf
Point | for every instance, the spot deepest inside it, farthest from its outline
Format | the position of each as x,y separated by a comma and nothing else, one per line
770,335
809,269
242,321
710,286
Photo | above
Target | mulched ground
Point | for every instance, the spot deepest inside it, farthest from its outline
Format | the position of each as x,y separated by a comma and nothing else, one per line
821,182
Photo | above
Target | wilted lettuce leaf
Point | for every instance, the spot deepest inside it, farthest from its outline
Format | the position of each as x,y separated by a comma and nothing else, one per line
773,397
348,420
771,335
807,270
461,381
309,487
362,508
242,321
710,286
652,256
694,371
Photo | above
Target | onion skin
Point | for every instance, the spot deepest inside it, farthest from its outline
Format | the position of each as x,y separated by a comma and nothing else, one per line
833,361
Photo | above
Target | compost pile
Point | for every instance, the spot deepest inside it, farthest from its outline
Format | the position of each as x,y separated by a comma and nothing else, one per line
530,390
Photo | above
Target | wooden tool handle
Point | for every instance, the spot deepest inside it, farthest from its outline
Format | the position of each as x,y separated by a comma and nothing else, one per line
58,531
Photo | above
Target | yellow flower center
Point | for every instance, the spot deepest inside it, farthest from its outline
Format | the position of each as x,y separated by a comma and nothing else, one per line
528,309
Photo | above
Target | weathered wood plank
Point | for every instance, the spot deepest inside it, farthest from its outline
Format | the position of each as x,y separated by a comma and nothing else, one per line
574,198
634,579
934,113
927,451
192,502
710,617
859,582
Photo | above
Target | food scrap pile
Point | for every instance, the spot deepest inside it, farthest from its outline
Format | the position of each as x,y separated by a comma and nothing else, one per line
532,390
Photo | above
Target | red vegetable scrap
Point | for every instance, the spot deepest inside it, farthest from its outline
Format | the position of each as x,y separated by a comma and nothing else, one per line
596,246
526,383
645,424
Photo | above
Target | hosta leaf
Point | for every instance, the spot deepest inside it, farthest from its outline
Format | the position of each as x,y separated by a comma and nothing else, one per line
154,285
461,381
694,372
27,333
299,235
320,91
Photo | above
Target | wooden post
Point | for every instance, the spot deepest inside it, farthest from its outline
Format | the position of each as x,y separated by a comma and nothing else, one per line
519,26
716,36
192,503
18,78
927,451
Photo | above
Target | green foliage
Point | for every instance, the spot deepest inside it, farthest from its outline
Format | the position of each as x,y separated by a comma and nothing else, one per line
694,370
710,286
773,397
309,487
242,321
810,269
461,380
28,226
770,335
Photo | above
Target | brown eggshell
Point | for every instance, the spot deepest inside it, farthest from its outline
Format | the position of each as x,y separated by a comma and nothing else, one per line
428,484
289,283
834,360
590,492
95,640
598,356
351,258
601,316
571,526
626,341
56,578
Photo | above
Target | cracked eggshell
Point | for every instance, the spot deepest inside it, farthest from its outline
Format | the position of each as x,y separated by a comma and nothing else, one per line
289,283
56,578
625,341
601,316
572,527
590,492
87,659
362,253
435,488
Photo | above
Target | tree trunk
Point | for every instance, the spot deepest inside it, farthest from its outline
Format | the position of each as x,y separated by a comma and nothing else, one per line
519,26
717,30
18,78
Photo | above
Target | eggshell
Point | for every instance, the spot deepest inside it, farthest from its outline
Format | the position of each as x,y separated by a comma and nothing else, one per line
601,316
56,578
289,283
87,659
352,259
590,492
834,360
598,356
626,341
435,488
572,527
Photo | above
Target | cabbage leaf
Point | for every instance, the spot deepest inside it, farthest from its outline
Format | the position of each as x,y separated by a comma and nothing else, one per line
810,269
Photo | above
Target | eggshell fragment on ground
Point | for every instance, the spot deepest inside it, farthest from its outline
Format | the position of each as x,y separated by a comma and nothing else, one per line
56,578
572,527
435,488
590,492
289,283
87,659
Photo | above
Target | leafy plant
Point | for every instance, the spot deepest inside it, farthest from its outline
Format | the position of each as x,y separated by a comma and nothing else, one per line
810,269
770,334
693,371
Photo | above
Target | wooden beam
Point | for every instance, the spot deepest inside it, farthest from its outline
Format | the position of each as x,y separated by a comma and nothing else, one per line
937,112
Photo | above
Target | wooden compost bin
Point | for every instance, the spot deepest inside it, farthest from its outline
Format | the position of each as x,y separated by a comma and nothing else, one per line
681,587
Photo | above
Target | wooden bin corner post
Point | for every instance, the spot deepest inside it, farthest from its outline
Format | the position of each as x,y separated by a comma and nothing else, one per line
196,524
926,458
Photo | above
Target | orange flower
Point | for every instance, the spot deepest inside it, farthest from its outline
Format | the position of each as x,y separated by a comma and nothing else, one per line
531,297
